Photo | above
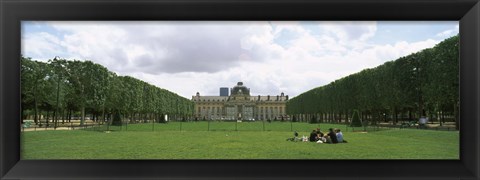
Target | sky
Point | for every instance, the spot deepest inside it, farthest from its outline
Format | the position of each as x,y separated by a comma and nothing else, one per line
269,57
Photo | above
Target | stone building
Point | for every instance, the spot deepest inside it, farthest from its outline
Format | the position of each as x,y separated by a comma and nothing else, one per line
240,105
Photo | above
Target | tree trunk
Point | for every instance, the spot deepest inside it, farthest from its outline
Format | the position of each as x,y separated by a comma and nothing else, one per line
439,118
70,115
442,118
132,117
347,116
40,116
55,114
330,117
64,116
47,120
35,119
395,117
82,116
321,117
55,119
410,115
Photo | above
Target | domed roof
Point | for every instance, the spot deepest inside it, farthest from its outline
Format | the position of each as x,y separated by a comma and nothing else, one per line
240,89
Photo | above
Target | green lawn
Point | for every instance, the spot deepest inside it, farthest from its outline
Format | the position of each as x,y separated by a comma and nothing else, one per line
220,126
165,141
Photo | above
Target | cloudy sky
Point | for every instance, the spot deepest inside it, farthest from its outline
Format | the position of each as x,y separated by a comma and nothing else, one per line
269,57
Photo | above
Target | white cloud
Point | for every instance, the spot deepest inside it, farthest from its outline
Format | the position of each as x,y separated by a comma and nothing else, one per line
40,45
347,31
449,32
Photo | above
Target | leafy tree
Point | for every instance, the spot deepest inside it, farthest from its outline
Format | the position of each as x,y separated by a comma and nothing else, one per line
83,87
415,85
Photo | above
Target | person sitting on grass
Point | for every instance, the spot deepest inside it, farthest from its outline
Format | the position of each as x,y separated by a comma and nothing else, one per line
295,137
332,136
340,136
321,138
327,139
313,136
319,134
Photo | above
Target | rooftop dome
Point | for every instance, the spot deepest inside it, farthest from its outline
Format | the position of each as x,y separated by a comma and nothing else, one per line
240,89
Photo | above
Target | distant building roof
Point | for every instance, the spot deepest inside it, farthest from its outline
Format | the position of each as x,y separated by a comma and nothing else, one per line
225,98
210,98
239,89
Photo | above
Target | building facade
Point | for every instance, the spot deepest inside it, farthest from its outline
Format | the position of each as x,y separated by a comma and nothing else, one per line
240,105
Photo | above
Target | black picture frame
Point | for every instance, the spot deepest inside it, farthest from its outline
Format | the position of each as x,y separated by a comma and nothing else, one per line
12,12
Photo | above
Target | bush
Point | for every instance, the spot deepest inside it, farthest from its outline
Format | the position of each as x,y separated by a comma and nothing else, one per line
356,121
117,120
162,119
313,120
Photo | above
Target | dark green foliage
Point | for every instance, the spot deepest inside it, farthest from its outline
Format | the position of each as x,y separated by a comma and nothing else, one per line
356,121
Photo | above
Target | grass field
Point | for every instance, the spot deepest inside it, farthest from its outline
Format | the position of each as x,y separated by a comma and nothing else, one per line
140,141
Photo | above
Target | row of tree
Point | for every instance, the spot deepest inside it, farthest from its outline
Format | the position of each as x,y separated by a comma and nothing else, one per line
62,89
425,83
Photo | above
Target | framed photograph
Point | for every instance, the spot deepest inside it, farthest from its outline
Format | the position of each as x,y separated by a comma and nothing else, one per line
239,89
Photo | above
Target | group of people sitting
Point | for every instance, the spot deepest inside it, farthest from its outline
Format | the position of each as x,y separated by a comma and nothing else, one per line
332,137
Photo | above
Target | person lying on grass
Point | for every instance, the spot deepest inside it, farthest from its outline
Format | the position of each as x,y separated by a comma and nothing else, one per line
295,137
